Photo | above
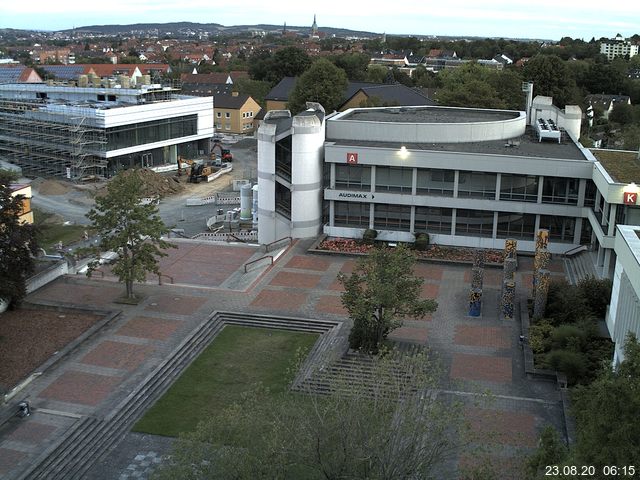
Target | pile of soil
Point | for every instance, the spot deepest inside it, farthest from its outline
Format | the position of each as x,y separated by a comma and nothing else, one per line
154,184
53,187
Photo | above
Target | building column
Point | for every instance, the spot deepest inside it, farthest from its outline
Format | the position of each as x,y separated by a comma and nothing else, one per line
371,215
373,180
332,212
582,189
414,186
536,225
453,216
613,208
332,177
540,187
456,179
494,231
606,264
412,219
498,186
577,231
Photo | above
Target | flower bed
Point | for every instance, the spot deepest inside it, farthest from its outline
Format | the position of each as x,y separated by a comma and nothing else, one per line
349,245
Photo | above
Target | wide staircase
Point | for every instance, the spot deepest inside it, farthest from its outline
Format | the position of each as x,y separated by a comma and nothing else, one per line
356,372
92,437
579,265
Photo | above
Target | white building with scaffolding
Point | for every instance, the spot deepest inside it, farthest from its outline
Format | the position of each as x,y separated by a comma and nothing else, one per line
74,132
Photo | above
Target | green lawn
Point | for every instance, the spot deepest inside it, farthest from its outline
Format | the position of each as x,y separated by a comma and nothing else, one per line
49,234
236,360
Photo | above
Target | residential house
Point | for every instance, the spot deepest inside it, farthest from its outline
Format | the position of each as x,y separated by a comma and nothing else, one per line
618,47
605,103
18,74
234,113
25,215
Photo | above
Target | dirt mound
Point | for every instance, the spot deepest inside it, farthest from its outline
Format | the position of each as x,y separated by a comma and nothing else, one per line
154,183
53,187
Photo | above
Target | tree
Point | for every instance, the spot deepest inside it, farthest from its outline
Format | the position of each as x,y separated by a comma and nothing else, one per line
378,428
354,64
622,113
323,82
17,244
551,451
380,292
551,78
130,228
606,411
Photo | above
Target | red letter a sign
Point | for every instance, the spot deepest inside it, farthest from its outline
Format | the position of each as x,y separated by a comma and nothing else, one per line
352,158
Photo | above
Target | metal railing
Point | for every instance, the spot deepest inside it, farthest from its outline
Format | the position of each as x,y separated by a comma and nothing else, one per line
270,257
573,251
269,245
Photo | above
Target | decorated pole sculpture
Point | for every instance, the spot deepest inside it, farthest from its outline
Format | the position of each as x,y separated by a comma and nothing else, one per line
477,280
540,298
475,302
508,299
540,262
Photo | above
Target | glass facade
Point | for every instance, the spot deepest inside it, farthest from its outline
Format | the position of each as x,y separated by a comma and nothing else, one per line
433,220
351,214
394,179
283,158
391,217
149,132
561,229
523,188
516,225
477,185
474,223
353,177
435,182
283,200
560,190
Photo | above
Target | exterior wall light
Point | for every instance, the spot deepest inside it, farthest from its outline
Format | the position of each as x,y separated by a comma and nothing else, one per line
403,153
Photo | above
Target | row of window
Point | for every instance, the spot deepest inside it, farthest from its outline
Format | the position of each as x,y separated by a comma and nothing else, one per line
475,223
150,132
228,114
471,184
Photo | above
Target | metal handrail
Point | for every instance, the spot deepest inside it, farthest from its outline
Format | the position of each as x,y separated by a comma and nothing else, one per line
579,248
266,247
257,260
160,275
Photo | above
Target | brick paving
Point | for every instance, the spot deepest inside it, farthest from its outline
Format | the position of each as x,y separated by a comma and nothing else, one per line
481,368
295,280
502,427
176,304
118,355
480,336
81,387
330,304
147,327
31,432
430,290
95,377
279,300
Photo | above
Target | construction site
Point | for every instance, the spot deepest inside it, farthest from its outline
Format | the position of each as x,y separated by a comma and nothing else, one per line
87,132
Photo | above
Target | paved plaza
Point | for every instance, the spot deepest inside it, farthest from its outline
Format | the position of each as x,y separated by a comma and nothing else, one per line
478,354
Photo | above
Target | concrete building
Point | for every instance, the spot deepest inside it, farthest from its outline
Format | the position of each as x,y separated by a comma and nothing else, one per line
26,214
67,131
618,47
467,177
623,315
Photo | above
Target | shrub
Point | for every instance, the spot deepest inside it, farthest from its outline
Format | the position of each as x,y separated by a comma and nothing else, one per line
597,294
565,303
573,364
539,334
569,337
369,236
422,242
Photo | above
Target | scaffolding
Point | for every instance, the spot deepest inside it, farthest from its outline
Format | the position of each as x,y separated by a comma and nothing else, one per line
47,141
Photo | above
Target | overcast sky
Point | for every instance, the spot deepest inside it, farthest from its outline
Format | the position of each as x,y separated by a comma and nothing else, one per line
486,18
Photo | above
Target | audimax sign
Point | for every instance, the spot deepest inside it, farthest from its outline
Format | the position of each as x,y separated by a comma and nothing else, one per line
362,196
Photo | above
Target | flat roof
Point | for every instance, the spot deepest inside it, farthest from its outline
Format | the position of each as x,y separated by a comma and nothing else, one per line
428,114
526,145
622,166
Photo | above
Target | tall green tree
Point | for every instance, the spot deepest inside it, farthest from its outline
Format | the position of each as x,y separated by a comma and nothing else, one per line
380,293
130,228
17,244
551,78
607,427
323,82
378,426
